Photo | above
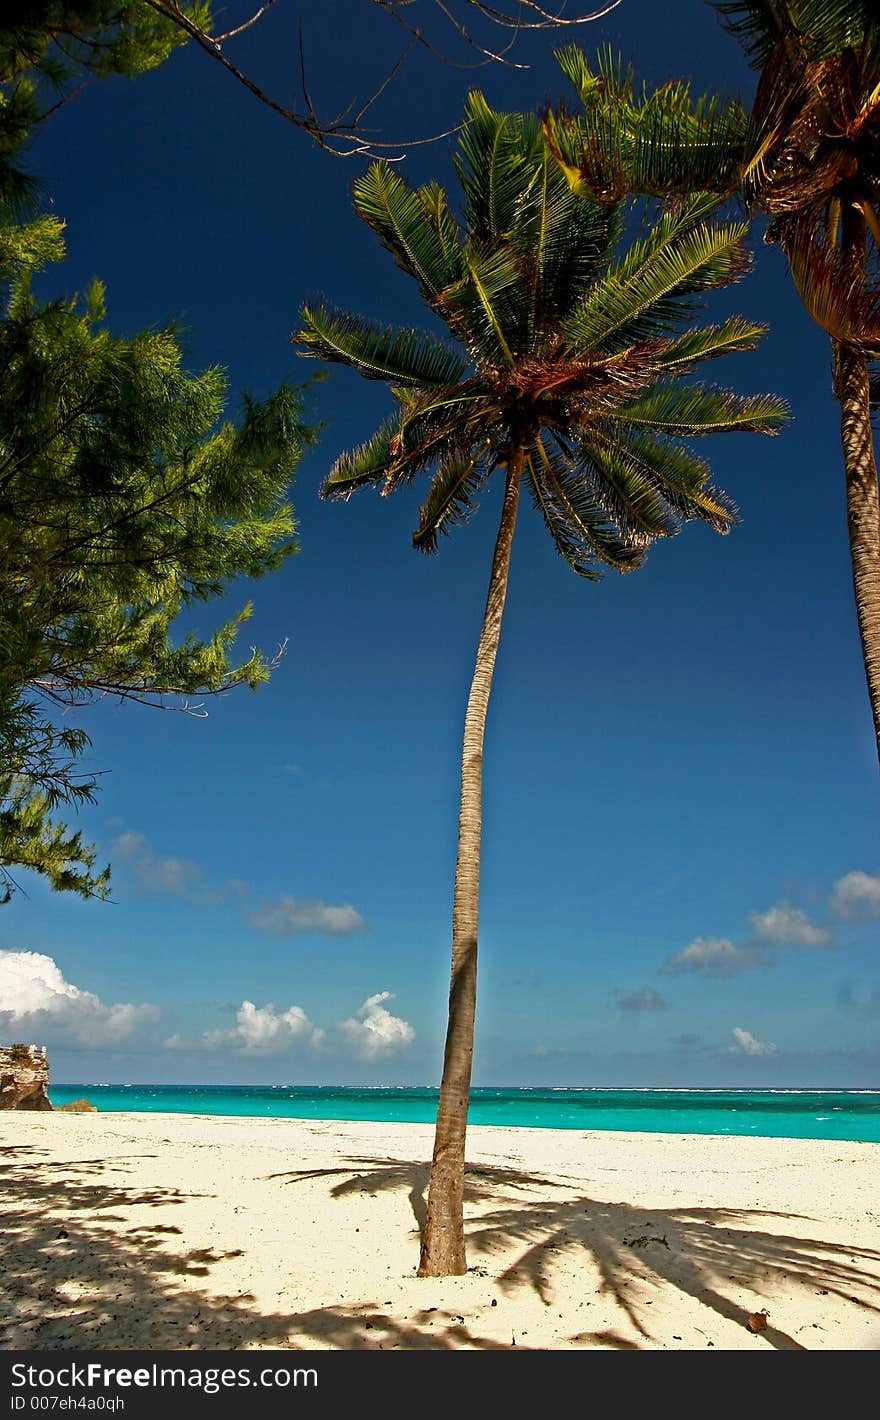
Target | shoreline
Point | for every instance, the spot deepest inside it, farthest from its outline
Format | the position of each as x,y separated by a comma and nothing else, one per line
167,1231
844,1116
499,1089
585,1131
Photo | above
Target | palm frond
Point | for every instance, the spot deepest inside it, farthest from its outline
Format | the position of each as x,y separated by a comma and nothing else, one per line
441,424
406,356
364,465
653,144
404,446
683,478
709,342
402,218
676,146
434,206
591,148
839,299
812,28
691,410
677,219
610,79
488,306
497,161
757,24
451,497
576,551
628,490
563,491
435,424
642,298
781,97
567,243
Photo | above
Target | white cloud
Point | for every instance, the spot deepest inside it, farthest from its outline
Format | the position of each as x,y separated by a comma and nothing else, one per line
714,956
284,916
258,1030
788,926
181,877
264,1028
779,926
857,897
37,1001
373,1031
747,1044
288,916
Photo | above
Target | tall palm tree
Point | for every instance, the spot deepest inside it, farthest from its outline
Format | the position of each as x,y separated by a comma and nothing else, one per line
566,378
808,155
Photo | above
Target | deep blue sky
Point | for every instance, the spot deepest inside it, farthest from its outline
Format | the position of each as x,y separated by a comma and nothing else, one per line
668,753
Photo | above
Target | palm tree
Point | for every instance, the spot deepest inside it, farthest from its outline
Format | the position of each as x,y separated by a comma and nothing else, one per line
565,377
808,156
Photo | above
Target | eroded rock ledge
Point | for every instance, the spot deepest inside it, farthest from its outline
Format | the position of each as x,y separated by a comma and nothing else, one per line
24,1077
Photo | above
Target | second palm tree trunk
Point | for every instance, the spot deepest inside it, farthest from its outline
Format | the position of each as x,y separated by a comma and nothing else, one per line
443,1250
862,509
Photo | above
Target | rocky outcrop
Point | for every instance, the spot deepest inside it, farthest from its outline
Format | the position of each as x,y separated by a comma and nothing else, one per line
24,1077
79,1107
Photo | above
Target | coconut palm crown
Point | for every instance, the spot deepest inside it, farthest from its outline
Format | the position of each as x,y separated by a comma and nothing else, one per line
630,139
813,151
808,156
567,374
565,350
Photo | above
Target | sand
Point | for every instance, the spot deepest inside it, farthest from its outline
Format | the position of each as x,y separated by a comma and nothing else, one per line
175,1231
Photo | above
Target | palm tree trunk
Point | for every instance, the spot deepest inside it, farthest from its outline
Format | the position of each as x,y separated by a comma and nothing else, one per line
862,509
443,1251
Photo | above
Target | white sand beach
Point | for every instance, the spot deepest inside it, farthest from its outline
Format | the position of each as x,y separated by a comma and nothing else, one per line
173,1231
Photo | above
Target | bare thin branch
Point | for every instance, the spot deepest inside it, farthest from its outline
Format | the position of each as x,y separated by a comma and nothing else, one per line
65,99
500,57
390,8
394,70
548,20
344,135
240,29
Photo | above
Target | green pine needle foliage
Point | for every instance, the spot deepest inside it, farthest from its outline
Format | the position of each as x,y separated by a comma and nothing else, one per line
49,48
126,499
127,496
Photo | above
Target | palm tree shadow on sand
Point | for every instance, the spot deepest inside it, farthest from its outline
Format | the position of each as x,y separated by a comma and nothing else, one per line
691,1249
78,1273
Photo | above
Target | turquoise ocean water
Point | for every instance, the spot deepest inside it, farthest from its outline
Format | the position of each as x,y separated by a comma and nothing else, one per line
787,1114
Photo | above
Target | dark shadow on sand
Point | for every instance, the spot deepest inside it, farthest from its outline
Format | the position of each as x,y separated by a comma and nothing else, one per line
482,1183
691,1249
72,1277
